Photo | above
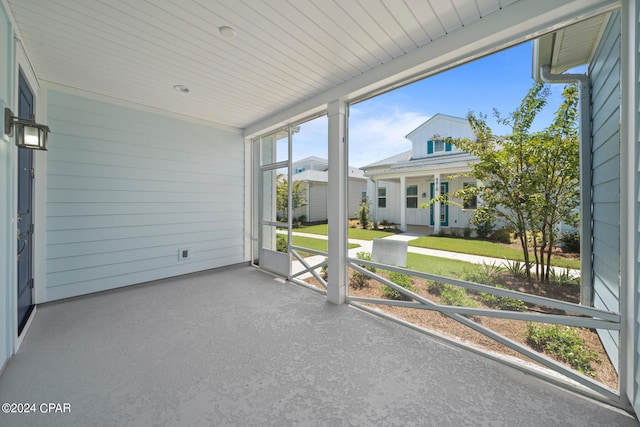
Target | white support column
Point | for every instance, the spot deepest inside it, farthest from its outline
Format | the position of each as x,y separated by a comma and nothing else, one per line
403,203
436,205
372,193
337,203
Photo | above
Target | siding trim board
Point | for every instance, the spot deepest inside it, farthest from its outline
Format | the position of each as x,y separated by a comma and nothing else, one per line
125,192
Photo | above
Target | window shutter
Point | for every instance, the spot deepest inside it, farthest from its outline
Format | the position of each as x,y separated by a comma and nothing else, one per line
429,147
447,147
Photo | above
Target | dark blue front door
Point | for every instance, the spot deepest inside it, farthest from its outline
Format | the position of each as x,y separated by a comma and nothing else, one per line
25,212
444,207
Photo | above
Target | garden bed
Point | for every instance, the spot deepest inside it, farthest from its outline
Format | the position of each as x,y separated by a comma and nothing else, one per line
602,369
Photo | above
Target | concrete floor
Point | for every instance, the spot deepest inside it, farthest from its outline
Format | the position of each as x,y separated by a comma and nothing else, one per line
236,347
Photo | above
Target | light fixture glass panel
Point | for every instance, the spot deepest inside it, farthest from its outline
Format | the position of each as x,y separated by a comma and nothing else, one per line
31,136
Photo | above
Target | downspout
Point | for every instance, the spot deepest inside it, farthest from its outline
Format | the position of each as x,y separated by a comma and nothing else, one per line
586,237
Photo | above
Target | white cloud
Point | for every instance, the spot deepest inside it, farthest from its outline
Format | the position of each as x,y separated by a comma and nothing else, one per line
376,133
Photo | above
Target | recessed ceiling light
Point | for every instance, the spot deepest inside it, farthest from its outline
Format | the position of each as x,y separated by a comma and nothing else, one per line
181,88
227,32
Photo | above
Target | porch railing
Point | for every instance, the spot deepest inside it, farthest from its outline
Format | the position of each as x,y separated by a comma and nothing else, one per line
586,317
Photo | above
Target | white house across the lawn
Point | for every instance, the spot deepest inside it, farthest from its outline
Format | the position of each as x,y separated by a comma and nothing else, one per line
401,185
314,173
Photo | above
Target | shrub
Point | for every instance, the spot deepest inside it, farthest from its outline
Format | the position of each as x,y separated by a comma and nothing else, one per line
502,235
570,241
435,287
360,280
502,303
456,296
563,342
363,215
323,271
516,268
565,277
486,274
442,233
466,233
401,279
455,233
281,243
484,229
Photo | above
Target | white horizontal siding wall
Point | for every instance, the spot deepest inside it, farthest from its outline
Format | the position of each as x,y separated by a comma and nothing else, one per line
391,213
605,77
458,217
356,188
127,189
317,202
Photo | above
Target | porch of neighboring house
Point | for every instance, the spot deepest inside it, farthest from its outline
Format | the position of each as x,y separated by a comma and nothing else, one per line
422,230
406,201
236,346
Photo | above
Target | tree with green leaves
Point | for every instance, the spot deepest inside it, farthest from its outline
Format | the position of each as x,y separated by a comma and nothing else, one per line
529,180
298,198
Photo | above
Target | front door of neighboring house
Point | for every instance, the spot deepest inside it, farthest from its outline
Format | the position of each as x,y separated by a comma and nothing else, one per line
444,207
25,212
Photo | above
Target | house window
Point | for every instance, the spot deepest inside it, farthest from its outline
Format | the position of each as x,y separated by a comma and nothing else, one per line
412,196
438,146
298,170
473,203
382,197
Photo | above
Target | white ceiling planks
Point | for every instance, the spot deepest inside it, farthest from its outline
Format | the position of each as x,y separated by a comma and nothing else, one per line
285,51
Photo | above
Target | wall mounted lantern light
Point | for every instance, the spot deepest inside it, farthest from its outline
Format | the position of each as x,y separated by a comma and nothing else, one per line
28,133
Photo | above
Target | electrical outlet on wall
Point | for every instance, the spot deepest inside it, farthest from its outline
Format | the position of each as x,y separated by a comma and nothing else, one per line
184,253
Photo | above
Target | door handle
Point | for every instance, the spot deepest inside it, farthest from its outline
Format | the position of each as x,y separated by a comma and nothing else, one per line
24,245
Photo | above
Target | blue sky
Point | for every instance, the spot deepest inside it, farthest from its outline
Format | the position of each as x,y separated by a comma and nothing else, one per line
377,126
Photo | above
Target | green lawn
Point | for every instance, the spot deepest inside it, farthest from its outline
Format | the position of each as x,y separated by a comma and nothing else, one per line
439,266
316,244
481,247
354,233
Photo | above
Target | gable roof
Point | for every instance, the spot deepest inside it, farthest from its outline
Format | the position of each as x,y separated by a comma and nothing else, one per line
407,159
393,160
436,118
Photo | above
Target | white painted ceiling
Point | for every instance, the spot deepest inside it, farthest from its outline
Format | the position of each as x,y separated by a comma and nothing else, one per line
285,51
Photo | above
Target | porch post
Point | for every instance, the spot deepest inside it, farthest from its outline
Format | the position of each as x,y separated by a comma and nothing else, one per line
403,203
372,191
436,206
337,203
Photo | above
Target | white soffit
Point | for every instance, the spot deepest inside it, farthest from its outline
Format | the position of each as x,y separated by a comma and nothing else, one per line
284,51
575,44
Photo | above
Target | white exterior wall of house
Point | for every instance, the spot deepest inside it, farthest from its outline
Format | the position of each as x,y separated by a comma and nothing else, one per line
313,172
127,189
390,213
357,186
458,218
445,126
